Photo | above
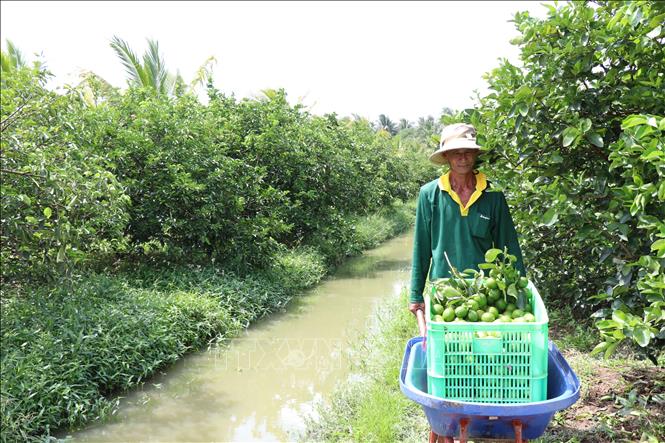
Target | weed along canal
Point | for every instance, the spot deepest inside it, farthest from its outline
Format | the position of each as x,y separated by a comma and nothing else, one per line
261,385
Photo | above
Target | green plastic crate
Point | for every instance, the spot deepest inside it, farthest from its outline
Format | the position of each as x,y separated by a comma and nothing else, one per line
508,367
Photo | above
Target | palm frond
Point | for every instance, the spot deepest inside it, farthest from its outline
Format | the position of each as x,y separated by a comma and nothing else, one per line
133,67
204,73
269,93
155,66
5,62
15,54
12,59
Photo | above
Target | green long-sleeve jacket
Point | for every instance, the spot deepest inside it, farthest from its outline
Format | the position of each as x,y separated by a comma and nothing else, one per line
465,233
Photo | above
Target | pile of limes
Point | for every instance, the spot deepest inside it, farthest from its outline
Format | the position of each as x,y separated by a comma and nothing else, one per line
471,296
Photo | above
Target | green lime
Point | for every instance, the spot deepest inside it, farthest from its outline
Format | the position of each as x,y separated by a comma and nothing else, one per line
482,300
491,283
493,310
517,313
472,316
505,318
438,309
461,311
448,314
487,317
494,295
529,317
480,312
518,320
523,282
510,307
473,305
528,308
501,305
438,318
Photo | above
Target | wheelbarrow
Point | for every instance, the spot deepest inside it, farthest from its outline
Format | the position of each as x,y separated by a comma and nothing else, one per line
451,419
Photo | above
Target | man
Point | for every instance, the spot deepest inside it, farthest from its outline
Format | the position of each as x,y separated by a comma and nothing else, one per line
458,215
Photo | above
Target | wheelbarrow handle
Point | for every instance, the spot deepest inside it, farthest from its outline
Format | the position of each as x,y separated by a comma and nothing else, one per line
420,315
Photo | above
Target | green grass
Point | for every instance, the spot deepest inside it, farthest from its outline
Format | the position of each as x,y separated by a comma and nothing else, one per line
569,332
373,229
369,407
67,351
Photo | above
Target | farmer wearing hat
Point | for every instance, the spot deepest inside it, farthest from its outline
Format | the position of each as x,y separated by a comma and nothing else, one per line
458,214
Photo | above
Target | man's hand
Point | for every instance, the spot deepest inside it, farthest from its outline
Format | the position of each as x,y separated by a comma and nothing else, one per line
413,307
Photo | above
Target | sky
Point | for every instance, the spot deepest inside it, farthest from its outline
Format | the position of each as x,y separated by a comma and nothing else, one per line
402,59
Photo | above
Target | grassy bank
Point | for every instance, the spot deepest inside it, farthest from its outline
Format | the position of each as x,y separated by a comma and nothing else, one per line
69,350
621,400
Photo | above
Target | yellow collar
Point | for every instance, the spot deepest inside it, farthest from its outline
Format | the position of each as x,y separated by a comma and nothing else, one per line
481,185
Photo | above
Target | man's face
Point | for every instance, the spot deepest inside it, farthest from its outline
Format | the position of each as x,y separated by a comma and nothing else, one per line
461,161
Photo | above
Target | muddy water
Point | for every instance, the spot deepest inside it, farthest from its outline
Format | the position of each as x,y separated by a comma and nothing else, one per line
261,386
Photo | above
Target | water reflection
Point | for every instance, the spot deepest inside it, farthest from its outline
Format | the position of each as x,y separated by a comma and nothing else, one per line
261,386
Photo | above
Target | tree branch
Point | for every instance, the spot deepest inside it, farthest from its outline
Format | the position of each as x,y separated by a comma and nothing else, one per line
5,123
29,174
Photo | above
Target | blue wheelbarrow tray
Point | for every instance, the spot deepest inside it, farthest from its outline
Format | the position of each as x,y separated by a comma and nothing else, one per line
488,420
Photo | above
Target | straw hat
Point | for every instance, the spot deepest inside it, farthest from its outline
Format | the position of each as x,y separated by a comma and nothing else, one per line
455,136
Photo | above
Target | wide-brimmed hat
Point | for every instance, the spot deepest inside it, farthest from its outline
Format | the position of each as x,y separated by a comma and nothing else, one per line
455,136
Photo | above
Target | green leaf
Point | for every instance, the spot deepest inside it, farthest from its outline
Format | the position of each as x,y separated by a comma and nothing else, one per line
619,317
523,109
659,245
512,290
25,199
61,255
610,349
523,92
550,217
569,135
600,347
607,324
492,254
47,212
633,120
595,139
518,122
641,335
655,32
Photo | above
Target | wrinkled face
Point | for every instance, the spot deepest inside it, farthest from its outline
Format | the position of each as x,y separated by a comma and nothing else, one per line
461,161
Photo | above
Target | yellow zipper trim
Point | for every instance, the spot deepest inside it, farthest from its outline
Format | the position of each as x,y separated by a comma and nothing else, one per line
481,185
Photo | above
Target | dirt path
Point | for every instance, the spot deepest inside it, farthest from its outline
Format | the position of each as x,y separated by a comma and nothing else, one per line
617,402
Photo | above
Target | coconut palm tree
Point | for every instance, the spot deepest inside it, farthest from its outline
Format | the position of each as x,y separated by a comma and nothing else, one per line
404,124
149,73
12,59
386,124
